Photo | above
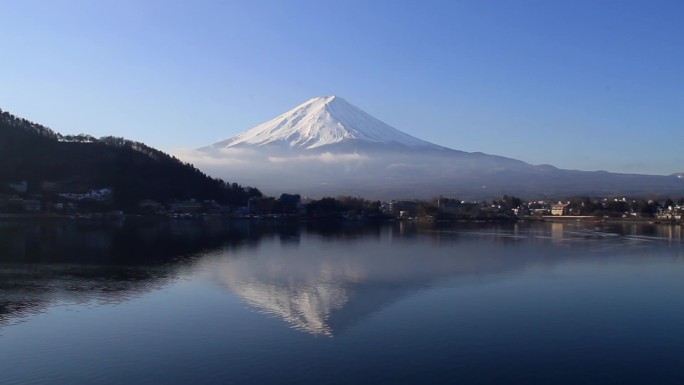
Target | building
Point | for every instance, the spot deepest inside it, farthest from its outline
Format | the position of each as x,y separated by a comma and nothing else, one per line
559,208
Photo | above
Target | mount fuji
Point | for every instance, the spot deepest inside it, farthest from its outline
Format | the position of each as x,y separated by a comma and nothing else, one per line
327,146
322,122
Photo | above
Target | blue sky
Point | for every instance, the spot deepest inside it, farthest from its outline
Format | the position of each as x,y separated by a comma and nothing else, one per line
577,84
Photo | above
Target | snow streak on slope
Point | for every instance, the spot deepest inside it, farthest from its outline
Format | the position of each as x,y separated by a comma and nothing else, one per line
323,121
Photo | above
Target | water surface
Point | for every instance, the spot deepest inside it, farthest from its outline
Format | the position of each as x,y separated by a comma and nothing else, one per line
241,303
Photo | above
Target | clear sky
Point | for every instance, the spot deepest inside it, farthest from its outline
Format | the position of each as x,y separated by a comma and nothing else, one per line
577,84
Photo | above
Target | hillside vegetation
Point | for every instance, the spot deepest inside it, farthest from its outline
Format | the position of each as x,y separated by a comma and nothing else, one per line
36,154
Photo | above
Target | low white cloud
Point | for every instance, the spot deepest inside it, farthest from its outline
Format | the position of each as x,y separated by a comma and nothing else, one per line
252,158
218,157
402,166
326,157
276,171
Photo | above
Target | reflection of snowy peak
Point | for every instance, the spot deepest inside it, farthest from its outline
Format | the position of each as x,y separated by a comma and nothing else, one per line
322,290
323,121
306,307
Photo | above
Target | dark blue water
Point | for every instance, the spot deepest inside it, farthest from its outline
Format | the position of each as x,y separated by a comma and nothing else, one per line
240,303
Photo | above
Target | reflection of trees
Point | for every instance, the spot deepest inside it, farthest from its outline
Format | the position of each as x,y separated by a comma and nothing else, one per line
28,289
138,243
44,263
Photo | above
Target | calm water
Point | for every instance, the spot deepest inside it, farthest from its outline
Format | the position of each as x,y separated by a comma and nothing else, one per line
253,303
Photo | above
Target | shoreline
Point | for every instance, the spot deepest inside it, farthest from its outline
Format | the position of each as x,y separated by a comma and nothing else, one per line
118,218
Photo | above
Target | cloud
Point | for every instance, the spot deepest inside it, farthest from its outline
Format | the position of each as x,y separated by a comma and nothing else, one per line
272,171
218,157
228,157
326,157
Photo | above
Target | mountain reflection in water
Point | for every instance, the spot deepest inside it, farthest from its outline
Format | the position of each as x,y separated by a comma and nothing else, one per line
203,302
328,284
319,279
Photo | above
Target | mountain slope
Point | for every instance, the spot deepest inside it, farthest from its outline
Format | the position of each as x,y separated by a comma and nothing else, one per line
33,153
324,121
326,146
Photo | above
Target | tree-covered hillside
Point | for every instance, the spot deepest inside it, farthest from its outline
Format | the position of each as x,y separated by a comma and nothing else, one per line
36,154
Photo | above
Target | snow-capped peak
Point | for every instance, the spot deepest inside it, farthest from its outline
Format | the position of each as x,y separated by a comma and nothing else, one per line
323,121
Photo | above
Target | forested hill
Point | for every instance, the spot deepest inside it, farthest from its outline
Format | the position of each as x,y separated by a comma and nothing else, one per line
36,154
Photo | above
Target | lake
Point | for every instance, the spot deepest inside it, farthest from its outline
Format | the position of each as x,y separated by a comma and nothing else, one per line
192,302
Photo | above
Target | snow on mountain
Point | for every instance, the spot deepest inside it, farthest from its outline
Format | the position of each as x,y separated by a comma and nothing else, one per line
320,122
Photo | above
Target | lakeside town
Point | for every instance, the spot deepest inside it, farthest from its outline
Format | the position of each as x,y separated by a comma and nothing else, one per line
16,201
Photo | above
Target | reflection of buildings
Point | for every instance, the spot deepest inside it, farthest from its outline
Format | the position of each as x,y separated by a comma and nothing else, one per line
557,232
673,233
